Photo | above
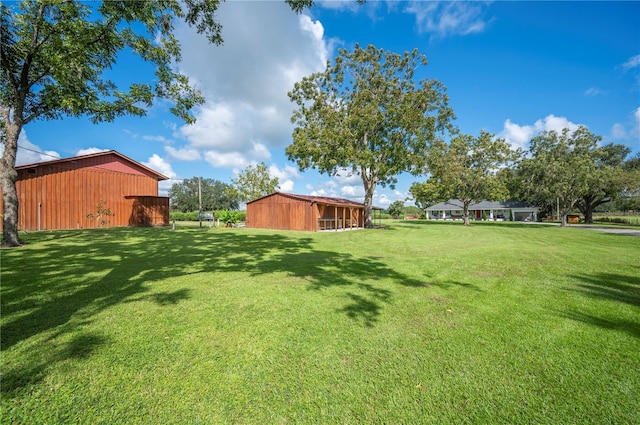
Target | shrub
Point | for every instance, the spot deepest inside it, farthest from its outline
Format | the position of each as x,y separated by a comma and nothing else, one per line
228,217
183,216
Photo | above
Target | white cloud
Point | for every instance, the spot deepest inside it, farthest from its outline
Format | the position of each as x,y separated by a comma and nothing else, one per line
633,62
161,165
89,151
517,135
226,160
635,132
520,135
381,200
156,139
185,154
30,153
286,186
594,91
352,191
449,18
259,152
618,131
553,123
287,172
266,50
630,131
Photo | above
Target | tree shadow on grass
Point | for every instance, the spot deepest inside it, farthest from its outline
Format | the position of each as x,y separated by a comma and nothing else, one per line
611,287
34,369
363,277
55,285
612,323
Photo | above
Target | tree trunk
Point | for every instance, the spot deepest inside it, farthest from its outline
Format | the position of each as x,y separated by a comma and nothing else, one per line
8,177
588,214
564,222
465,214
369,189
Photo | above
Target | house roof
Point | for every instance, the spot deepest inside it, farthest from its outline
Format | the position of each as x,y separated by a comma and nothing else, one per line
338,202
75,160
456,204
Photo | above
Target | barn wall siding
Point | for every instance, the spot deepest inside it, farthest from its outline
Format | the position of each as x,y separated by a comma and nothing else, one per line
283,213
297,212
53,197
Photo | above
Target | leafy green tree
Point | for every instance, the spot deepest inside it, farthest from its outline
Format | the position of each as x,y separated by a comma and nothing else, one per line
396,209
630,196
425,194
254,182
466,169
229,218
365,113
608,180
215,195
559,169
53,58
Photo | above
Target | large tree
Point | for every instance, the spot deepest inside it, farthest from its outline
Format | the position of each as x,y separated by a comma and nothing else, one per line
466,169
53,58
215,195
254,182
558,169
396,209
365,113
630,197
608,180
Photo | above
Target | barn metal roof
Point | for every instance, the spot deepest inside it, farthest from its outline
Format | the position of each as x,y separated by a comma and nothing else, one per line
75,159
339,202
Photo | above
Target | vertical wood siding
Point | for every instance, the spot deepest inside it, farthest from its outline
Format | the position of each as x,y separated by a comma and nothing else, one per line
62,198
284,213
288,213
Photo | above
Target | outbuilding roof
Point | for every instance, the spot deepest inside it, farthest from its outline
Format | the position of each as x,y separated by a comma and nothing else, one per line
338,202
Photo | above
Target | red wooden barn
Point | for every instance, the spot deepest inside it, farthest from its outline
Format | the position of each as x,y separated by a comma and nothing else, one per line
66,193
287,211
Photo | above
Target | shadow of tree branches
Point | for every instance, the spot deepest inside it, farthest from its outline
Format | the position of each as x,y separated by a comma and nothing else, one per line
59,282
611,287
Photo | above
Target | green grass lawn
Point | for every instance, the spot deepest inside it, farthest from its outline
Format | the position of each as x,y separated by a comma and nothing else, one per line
421,322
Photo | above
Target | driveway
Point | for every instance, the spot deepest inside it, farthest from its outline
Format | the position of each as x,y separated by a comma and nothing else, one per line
628,232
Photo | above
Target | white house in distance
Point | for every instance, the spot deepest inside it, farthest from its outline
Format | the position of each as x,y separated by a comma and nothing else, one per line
493,210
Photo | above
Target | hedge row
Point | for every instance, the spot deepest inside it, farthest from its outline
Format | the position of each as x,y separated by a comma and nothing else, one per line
193,215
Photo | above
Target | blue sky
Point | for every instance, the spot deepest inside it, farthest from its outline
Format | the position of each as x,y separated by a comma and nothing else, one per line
511,68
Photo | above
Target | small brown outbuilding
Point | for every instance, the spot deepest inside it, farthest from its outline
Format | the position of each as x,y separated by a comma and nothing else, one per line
287,211
66,193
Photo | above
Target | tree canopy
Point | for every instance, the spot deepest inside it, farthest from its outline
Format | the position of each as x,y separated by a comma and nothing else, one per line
607,181
215,195
559,169
254,182
366,114
53,58
465,169
396,209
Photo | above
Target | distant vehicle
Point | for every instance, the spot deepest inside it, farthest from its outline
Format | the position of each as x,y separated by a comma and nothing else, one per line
207,216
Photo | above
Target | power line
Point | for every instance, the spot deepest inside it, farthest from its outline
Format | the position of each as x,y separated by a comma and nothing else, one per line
41,153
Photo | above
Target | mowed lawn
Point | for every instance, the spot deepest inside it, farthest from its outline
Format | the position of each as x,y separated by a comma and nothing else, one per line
420,322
